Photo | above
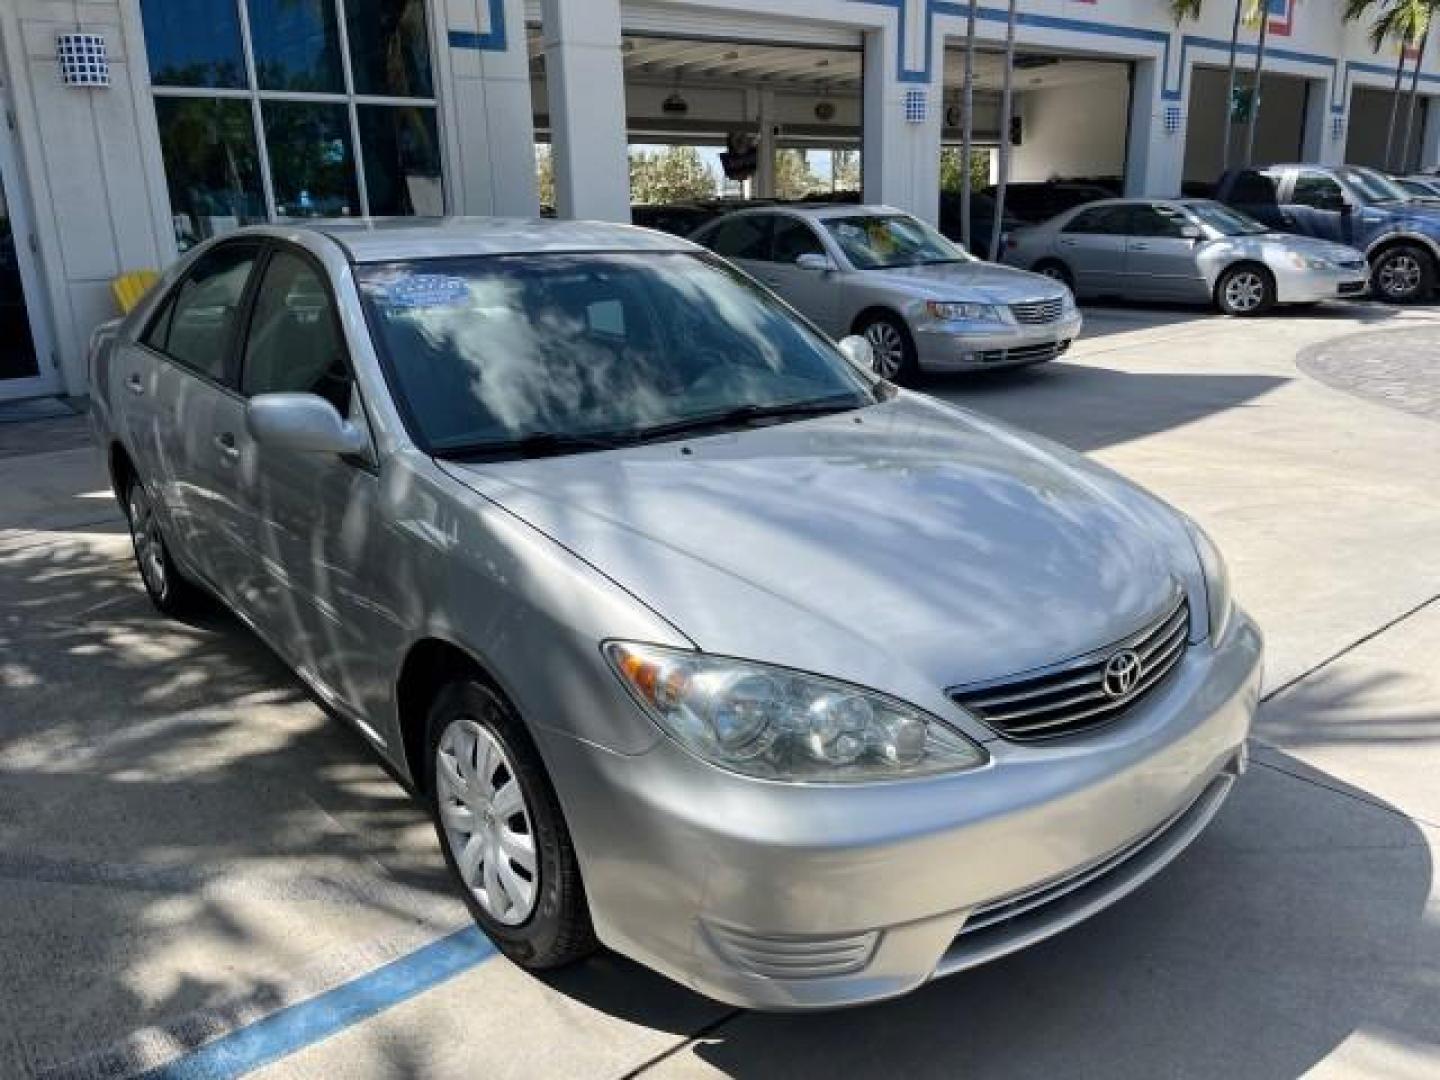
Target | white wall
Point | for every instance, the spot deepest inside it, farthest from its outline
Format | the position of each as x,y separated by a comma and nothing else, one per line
1073,130
83,152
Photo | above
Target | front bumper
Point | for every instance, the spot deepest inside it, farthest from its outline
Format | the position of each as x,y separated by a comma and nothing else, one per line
1296,286
976,346
792,896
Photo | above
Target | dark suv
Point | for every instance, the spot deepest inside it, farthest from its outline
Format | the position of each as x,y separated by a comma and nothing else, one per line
1351,205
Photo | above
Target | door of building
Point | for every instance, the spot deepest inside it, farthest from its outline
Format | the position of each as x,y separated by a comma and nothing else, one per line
27,362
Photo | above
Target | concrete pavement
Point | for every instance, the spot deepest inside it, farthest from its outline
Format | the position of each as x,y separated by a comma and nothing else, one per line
188,845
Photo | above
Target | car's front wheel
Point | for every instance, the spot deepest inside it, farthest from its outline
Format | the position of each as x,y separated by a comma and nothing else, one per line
1403,274
502,831
892,347
1245,290
169,590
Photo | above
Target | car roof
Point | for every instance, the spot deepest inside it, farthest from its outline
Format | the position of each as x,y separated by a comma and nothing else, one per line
390,239
817,211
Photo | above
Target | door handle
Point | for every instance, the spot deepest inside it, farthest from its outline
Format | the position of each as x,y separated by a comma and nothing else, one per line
226,442
134,384
1139,247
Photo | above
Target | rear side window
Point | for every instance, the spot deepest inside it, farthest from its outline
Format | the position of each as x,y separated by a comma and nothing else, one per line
196,327
1100,221
294,342
744,237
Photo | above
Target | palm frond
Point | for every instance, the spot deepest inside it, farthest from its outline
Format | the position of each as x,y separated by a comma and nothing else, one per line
1180,10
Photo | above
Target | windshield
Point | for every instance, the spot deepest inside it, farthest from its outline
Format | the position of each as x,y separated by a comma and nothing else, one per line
1225,221
881,241
1371,186
551,350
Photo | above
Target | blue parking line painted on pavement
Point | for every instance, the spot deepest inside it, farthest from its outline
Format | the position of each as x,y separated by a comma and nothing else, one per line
308,1022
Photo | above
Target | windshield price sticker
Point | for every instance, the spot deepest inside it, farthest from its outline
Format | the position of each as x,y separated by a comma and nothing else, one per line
423,291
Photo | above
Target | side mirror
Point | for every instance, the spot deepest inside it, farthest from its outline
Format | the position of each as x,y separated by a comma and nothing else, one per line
857,350
1191,232
811,261
304,423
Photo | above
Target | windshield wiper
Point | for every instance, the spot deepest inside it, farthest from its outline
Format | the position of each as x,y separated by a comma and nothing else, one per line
745,414
533,445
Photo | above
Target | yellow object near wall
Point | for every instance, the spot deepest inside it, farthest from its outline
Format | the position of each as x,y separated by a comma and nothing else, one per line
130,287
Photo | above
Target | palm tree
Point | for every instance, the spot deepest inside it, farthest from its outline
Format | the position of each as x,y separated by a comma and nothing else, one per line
1405,156
1263,9
967,132
1402,21
1007,104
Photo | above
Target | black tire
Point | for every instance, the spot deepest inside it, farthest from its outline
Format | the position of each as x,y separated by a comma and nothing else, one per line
1057,271
1245,290
1403,274
557,931
896,358
171,592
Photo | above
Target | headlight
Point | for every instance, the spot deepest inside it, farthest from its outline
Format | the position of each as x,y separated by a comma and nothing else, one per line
1067,300
1306,262
1217,581
948,311
780,724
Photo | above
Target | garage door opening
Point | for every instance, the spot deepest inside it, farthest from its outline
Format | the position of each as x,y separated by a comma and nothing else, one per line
1369,124
715,123
1067,135
1280,134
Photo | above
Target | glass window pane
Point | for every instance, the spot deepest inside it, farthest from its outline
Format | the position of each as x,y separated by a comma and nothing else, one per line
297,46
402,160
202,321
295,343
389,47
211,167
193,42
312,164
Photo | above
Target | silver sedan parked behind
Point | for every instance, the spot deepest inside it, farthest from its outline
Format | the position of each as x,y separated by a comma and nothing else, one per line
697,639
1191,250
922,302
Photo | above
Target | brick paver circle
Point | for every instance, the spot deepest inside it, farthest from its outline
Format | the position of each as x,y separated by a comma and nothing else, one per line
1399,368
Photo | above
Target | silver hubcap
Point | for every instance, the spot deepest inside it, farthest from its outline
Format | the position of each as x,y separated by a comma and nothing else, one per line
1400,275
1244,292
145,535
487,823
888,348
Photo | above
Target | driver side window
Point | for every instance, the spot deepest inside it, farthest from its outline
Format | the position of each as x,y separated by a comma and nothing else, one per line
1318,191
794,238
295,342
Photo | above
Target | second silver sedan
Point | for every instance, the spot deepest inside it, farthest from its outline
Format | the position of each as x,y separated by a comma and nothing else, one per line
1186,249
921,302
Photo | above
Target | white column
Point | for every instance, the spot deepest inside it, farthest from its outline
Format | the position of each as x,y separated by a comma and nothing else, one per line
585,83
1154,158
1321,146
489,111
1430,135
901,158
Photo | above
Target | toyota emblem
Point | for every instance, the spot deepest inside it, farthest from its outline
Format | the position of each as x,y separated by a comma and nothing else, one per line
1122,673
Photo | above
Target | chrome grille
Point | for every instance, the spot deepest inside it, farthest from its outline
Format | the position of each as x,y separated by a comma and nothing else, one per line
1033,312
1077,695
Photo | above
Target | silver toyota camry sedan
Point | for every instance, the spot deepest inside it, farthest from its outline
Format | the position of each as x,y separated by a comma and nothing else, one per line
923,303
698,640
1191,250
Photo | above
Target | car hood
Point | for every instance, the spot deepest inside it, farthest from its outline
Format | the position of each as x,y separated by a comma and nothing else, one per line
979,282
1304,245
911,546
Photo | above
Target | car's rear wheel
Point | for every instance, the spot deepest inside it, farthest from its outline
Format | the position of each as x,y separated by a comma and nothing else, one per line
1245,290
1403,274
1055,270
169,590
502,831
892,347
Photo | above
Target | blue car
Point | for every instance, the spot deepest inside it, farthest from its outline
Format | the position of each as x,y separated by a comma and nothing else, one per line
1399,234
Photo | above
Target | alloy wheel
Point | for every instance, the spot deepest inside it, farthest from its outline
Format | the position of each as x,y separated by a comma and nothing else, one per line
1244,292
1400,275
145,535
888,348
487,821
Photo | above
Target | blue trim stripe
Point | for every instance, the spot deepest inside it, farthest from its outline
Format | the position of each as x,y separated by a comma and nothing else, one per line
496,39
308,1022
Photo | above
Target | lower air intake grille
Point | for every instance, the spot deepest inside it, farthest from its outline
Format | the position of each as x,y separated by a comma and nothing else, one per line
1085,693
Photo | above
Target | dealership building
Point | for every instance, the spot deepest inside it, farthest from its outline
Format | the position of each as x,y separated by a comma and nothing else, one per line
135,128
